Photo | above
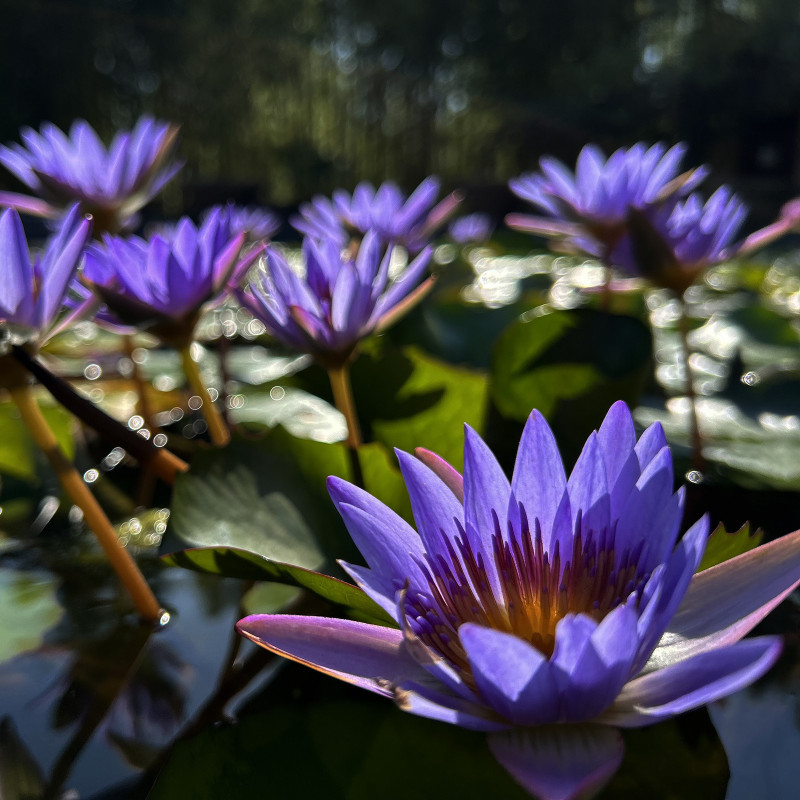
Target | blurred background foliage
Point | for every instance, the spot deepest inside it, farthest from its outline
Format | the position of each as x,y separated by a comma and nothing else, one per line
279,99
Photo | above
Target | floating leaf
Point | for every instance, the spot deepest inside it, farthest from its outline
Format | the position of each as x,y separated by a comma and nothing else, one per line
571,365
237,563
724,545
28,609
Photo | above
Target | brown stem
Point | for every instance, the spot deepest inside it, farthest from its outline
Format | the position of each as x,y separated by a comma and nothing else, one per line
121,560
143,407
164,463
343,399
698,462
216,426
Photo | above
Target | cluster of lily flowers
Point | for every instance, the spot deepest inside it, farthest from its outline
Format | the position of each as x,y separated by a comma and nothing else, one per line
547,611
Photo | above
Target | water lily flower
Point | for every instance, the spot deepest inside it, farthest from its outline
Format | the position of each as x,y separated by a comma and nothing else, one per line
256,222
31,291
340,299
587,211
386,211
161,284
110,183
672,244
549,610
471,228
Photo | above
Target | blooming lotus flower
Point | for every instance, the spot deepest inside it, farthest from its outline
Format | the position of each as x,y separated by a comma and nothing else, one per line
338,301
31,292
162,284
387,212
546,610
110,183
588,210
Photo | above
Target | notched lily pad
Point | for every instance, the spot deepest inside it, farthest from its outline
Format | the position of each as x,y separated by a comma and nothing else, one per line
724,545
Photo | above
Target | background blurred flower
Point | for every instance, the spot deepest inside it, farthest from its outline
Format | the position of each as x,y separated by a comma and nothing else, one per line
588,210
256,222
671,245
394,219
111,184
338,301
471,228
162,284
547,610
31,291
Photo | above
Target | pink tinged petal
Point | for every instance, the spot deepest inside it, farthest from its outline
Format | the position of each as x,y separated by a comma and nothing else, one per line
433,504
369,656
225,262
385,320
588,490
513,677
725,602
543,226
29,205
539,481
16,271
404,285
450,476
390,546
592,662
694,682
560,762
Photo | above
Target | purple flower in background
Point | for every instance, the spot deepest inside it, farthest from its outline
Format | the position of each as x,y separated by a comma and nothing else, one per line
110,183
338,301
162,284
31,292
670,245
395,219
547,610
588,210
256,222
471,228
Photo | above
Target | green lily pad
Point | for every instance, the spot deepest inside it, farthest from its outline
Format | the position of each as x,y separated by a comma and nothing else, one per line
28,609
724,545
236,563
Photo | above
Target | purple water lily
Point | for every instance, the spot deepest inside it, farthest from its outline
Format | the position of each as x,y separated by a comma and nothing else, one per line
471,228
162,284
386,211
546,611
31,292
338,301
256,222
587,212
110,183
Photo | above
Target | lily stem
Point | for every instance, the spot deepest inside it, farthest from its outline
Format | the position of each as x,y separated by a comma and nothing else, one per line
695,437
143,407
343,399
121,560
216,425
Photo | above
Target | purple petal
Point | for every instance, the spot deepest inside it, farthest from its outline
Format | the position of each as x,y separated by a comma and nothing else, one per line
725,602
539,481
369,656
694,682
588,490
593,661
617,439
16,288
515,679
560,762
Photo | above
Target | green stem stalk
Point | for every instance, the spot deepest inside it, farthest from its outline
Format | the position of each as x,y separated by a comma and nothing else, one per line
343,399
695,437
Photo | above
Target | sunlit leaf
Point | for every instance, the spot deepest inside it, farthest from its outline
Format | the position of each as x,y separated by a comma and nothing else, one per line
723,545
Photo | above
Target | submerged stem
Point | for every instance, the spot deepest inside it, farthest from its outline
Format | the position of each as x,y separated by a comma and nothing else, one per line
216,426
695,437
96,519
